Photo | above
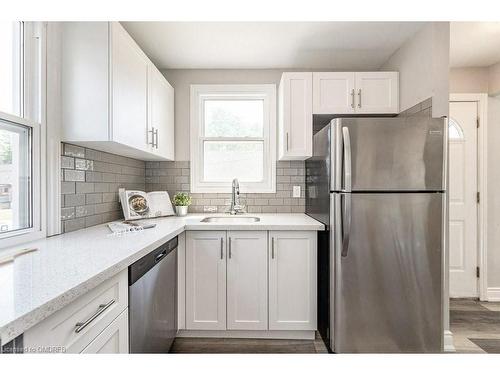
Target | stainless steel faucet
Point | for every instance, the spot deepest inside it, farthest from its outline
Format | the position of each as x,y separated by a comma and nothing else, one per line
236,207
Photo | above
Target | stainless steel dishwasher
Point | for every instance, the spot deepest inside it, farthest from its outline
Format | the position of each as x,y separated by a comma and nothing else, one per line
153,300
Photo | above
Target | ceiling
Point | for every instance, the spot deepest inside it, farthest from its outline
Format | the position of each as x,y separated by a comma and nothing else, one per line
267,45
474,44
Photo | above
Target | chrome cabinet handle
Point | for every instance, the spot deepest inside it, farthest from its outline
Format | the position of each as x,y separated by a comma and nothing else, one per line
272,248
221,248
287,141
229,253
152,131
359,97
352,98
81,326
156,138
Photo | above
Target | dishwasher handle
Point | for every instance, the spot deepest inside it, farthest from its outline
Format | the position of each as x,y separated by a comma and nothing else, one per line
160,256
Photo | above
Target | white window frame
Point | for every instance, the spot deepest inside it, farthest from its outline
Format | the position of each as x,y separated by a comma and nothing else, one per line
32,115
200,93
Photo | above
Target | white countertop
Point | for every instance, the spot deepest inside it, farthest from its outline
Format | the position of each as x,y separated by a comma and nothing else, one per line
64,267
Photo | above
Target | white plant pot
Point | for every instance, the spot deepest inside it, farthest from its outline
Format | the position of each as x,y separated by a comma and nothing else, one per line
181,210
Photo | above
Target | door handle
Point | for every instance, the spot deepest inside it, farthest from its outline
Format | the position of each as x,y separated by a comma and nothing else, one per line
221,248
352,98
359,98
229,253
347,160
346,222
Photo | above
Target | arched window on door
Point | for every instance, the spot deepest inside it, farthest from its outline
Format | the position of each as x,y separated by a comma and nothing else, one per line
455,131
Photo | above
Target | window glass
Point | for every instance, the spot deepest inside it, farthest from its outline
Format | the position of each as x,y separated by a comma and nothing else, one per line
15,177
455,132
10,67
234,118
225,160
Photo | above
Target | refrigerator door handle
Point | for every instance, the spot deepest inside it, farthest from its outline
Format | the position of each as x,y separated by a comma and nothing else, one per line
346,222
347,160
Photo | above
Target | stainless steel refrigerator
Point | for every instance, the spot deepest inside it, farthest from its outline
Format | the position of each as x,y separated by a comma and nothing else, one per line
379,186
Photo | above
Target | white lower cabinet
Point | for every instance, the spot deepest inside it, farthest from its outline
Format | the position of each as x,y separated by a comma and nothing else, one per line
206,280
292,280
247,280
114,338
250,281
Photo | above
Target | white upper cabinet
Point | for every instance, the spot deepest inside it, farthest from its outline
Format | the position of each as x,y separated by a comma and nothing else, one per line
377,92
355,93
129,67
112,95
206,280
333,92
161,134
247,280
295,116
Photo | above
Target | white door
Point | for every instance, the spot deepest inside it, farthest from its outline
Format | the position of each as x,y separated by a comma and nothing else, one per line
333,93
161,115
295,120
463,199
206,280
114,338
377,92
129,90
247,280
292,280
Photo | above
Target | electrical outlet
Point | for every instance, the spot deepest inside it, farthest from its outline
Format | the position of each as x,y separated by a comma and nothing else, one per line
296,192
211,209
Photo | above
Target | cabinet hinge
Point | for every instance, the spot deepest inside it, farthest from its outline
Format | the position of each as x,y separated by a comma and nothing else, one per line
478,197
478,272
477,122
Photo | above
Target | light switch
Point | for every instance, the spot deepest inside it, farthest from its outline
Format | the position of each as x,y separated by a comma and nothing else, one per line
296,191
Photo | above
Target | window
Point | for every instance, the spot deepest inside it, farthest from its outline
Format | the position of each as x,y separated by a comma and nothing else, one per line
455,132
20,132
233,136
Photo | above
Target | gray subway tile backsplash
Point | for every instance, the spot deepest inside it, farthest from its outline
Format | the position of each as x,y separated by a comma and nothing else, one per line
90,184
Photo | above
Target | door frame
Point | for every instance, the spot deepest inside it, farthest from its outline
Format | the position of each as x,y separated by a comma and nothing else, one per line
482,179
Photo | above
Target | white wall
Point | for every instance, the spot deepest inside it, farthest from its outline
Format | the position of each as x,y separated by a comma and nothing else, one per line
469,80
423,65
181,79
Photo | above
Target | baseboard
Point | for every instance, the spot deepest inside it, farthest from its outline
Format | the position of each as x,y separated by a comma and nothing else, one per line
493,294
448,342
284,335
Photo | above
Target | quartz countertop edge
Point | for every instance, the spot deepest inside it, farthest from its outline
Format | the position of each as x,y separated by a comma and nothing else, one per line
65,267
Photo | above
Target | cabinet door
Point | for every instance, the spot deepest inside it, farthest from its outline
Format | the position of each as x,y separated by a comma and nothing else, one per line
295,116
333,93
161,115
377,92
247,280
292,280
129,77
114,338
206,280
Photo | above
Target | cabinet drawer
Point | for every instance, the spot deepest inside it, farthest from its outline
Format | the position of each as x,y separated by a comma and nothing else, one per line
89,315
114,338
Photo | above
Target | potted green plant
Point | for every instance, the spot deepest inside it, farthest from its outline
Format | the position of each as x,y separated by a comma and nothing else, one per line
181,202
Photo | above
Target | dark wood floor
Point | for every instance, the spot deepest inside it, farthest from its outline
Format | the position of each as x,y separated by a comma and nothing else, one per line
247,346
475,326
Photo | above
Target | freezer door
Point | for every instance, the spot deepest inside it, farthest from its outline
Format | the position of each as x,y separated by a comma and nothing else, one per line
388,284
389,154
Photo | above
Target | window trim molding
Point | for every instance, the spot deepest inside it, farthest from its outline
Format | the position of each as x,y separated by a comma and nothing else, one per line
267,92
33,116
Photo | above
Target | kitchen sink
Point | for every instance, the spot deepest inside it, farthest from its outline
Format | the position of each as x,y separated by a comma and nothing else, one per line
230,219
